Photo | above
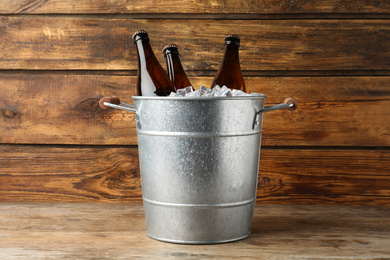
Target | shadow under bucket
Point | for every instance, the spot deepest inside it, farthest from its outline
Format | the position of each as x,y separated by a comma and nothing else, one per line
199,164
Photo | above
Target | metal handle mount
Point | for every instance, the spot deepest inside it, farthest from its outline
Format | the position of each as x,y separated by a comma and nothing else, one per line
114,102
289,103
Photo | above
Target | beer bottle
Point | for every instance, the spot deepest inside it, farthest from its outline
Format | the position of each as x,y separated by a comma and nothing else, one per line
175,70
151,77
229,73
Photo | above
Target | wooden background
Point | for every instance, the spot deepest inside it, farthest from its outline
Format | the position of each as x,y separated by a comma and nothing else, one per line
57,58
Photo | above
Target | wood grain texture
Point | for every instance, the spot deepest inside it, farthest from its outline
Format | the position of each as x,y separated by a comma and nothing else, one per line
47,43
98,174
204,6
118,231
63,109
361,176
58,57
69,174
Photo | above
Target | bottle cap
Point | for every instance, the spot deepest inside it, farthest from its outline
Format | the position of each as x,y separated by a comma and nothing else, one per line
169,49
140,34
232,38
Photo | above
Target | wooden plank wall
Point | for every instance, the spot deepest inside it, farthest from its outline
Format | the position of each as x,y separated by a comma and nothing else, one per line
57,58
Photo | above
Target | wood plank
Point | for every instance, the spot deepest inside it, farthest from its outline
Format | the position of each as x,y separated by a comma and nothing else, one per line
69,174
118,231
359,177
334,111
111,174
79,43
178,6
62,109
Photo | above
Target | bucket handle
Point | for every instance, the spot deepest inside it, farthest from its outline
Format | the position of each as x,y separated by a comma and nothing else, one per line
290,103
114,102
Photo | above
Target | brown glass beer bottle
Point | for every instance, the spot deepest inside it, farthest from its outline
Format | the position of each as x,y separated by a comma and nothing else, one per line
151,77
229,73
174,67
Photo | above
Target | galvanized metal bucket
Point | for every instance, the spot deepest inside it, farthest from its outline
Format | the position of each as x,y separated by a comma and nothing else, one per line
199,162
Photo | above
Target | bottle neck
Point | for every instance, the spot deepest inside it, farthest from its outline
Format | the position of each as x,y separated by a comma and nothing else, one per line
173,64
231,53
144,50
175,70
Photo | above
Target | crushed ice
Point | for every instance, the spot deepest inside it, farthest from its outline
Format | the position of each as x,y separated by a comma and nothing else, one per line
217,91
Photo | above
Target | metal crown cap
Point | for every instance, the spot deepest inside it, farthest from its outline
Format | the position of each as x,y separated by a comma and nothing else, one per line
232,38
143,32
170,48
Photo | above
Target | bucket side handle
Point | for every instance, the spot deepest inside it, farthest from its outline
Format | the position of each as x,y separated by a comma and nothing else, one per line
290,103
114,102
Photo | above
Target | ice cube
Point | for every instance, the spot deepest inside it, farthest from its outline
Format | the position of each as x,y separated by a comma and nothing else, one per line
203,90
239,93
192,94
174,94
223,92
187,90
216,91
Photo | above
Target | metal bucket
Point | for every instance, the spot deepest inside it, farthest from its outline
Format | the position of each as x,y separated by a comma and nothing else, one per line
199,162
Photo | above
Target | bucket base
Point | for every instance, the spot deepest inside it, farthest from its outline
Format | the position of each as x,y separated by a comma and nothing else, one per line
197,242
198,223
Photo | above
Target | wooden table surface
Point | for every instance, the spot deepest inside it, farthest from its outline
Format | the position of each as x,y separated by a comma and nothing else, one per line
117,231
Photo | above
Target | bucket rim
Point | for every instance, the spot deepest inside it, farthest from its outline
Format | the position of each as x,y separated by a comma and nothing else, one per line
258,96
